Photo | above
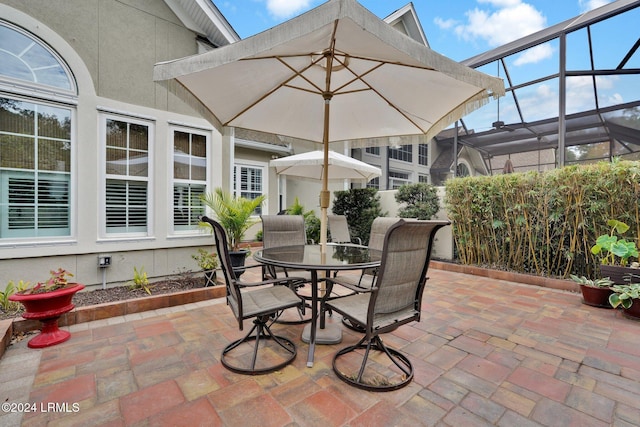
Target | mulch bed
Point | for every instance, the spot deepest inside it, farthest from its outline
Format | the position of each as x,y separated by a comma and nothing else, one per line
120,293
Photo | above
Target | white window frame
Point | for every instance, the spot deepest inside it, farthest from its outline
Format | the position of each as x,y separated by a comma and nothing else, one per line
43,94
185,230
45,237
265,179
396,181
131,119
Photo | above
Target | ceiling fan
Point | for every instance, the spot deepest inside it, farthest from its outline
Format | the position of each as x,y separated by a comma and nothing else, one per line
499,124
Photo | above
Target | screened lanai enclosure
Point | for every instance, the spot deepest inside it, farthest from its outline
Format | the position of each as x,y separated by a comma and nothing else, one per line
583,104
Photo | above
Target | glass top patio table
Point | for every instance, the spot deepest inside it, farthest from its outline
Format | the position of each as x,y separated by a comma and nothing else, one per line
314,259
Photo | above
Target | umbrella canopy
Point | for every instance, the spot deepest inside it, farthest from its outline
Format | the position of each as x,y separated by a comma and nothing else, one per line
335,73
311,165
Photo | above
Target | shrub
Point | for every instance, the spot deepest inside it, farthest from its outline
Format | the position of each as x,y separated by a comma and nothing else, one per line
543,223
311,221
420,201
361,206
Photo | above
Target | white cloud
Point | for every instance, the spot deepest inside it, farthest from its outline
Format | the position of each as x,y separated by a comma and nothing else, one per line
498,22
445,24
587,5
534,54
512,20
287,8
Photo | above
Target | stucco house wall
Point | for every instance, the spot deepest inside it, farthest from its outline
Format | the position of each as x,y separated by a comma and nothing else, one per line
110,48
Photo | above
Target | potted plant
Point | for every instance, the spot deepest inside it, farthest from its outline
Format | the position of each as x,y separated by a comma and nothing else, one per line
236,215
616,253
46,302
208,262
627,296
595,292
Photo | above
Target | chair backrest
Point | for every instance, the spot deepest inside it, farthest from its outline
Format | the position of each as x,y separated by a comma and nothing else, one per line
379,229
233,291
283,230
339,228
402,276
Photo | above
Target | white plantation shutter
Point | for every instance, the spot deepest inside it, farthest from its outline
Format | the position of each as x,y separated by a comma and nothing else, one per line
36,210
189,178
126,206
127,180
187,205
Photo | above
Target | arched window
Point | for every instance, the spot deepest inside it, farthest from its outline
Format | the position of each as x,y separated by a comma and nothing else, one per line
35,138
28,60
462,170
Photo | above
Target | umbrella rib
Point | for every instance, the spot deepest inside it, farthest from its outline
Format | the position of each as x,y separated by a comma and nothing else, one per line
302,76
391,104
282,84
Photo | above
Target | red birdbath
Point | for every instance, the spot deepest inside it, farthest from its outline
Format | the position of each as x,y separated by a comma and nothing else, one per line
47,307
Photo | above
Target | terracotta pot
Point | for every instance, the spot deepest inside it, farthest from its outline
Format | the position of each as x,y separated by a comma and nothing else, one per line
596,297
47,307
618,274
633,312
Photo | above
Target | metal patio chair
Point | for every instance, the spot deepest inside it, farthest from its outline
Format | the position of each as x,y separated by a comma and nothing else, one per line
286,230
339,228
394,300
261,301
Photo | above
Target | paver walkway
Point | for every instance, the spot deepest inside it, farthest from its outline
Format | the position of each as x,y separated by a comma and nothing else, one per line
486,352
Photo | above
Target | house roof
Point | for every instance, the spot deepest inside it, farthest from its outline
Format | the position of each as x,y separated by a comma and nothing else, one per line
406,21
203,17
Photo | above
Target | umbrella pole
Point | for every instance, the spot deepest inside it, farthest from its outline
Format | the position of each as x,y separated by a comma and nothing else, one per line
324,194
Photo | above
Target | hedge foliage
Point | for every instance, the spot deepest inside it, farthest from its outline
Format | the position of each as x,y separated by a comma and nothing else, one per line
543,223
361,206
418,200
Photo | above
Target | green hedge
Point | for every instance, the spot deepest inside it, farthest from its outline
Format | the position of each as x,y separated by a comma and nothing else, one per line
543,223
361,206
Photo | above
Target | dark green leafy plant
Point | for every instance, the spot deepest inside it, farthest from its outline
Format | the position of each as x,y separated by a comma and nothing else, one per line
311,221
361,206
614,247
624,295
419,201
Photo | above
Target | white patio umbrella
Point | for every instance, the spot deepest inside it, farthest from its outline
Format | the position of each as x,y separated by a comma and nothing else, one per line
312,165
335,73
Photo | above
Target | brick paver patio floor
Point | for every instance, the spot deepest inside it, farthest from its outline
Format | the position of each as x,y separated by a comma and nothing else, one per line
486,352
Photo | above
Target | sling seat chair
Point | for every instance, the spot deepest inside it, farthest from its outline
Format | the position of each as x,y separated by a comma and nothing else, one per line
394,300
260,351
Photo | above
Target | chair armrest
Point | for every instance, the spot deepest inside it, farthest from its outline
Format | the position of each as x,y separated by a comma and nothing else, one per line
285,280
337,281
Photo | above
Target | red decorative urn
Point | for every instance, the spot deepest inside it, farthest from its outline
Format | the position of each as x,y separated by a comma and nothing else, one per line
47,307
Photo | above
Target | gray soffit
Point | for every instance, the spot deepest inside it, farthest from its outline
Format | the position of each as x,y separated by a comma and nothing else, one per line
203,17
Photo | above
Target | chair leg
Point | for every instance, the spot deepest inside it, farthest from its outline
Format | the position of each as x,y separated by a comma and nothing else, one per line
259,332
379,383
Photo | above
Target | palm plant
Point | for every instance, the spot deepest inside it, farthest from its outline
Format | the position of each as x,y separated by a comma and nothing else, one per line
233,213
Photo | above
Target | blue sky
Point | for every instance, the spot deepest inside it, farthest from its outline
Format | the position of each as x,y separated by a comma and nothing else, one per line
459,28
